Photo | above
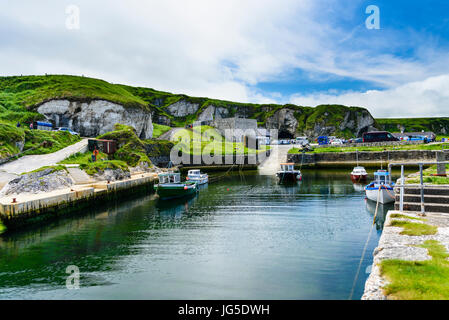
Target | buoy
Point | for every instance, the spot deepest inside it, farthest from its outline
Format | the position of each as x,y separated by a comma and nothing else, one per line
227,189
187,178
185,187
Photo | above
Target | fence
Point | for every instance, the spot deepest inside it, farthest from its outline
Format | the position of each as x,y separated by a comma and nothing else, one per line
421,184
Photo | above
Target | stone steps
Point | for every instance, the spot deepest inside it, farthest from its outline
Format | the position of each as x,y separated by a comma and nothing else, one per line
79,176
416,198
428,207
437,191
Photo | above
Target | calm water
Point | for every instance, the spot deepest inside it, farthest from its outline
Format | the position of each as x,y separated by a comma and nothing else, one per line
257,240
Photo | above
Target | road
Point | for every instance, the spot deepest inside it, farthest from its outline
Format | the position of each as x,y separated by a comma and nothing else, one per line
278,155
33,162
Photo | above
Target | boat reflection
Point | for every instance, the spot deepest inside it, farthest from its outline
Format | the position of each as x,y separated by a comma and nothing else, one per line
381,213
359,187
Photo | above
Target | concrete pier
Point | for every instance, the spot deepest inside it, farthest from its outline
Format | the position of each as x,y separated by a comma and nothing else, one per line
17,210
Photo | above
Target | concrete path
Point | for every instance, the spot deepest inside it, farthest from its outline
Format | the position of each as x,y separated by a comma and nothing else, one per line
278,155
169,134
33,162
79,176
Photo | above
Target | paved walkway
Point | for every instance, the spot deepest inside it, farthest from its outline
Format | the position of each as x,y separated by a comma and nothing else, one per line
278,155
33,162
169,134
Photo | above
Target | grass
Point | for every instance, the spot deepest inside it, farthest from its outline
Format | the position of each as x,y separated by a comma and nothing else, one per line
403,216
36,141
159,129
207,140
414,229
419,280
91,168
413,124
374,149
428,177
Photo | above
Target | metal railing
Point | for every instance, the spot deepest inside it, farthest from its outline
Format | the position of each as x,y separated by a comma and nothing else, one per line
422,186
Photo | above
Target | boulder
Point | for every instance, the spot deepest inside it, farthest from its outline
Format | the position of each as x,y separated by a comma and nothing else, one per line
182,108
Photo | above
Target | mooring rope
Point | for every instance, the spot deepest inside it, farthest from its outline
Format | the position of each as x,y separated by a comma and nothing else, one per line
365,247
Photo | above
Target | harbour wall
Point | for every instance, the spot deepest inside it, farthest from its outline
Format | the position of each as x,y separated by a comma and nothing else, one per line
365,158
29,209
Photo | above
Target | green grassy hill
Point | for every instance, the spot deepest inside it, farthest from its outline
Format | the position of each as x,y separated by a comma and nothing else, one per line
21,95
438,125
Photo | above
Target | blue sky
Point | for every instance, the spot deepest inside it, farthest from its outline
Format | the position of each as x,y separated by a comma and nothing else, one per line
306,52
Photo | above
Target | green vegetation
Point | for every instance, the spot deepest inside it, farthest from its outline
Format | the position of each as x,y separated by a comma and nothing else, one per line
428,177
9,136
36,141
85,162
403,216
130,148
436,125
207,140
419,280
159,129
53,169
435,147
414,229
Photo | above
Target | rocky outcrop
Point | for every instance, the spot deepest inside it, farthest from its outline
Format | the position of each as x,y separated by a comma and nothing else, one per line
37,182
182,108
283,120
93,118
112,175
211,113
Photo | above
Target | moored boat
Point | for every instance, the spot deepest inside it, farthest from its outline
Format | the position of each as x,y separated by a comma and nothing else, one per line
287,173
170,186
359,174
197,176
381,189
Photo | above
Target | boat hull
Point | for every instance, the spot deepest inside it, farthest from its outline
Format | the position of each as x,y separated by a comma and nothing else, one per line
289,176
200,181
359,178
175,191
385,195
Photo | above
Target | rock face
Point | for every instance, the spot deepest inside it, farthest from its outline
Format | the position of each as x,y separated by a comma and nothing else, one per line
93,118
112,175
36,182
212,113
283,120
182,108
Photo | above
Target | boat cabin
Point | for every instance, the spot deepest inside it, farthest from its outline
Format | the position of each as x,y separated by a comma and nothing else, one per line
382,177
287,166
170,177
194,173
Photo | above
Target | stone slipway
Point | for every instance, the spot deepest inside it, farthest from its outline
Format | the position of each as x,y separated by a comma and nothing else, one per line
34,207
393,245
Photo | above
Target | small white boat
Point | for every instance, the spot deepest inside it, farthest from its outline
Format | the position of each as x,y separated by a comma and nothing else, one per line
198,177
381,189
287,173
358,174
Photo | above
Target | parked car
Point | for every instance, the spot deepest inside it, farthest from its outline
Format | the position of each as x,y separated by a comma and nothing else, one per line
378,136
337,142
68,130
302,141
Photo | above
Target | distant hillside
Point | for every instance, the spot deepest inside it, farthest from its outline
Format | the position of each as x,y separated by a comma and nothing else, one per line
21,96
437,125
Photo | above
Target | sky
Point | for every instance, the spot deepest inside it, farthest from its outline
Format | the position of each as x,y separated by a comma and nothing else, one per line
306,52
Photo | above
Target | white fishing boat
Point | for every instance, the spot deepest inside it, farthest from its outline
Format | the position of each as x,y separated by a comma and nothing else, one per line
381,189
197,176
287,173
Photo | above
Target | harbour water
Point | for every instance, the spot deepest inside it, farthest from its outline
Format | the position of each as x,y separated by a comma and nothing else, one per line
244,237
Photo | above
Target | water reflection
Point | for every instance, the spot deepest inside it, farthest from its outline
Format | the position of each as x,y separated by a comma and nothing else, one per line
243,237
382,211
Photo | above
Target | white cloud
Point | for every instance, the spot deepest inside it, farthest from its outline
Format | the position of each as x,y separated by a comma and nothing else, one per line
221,49
428,98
